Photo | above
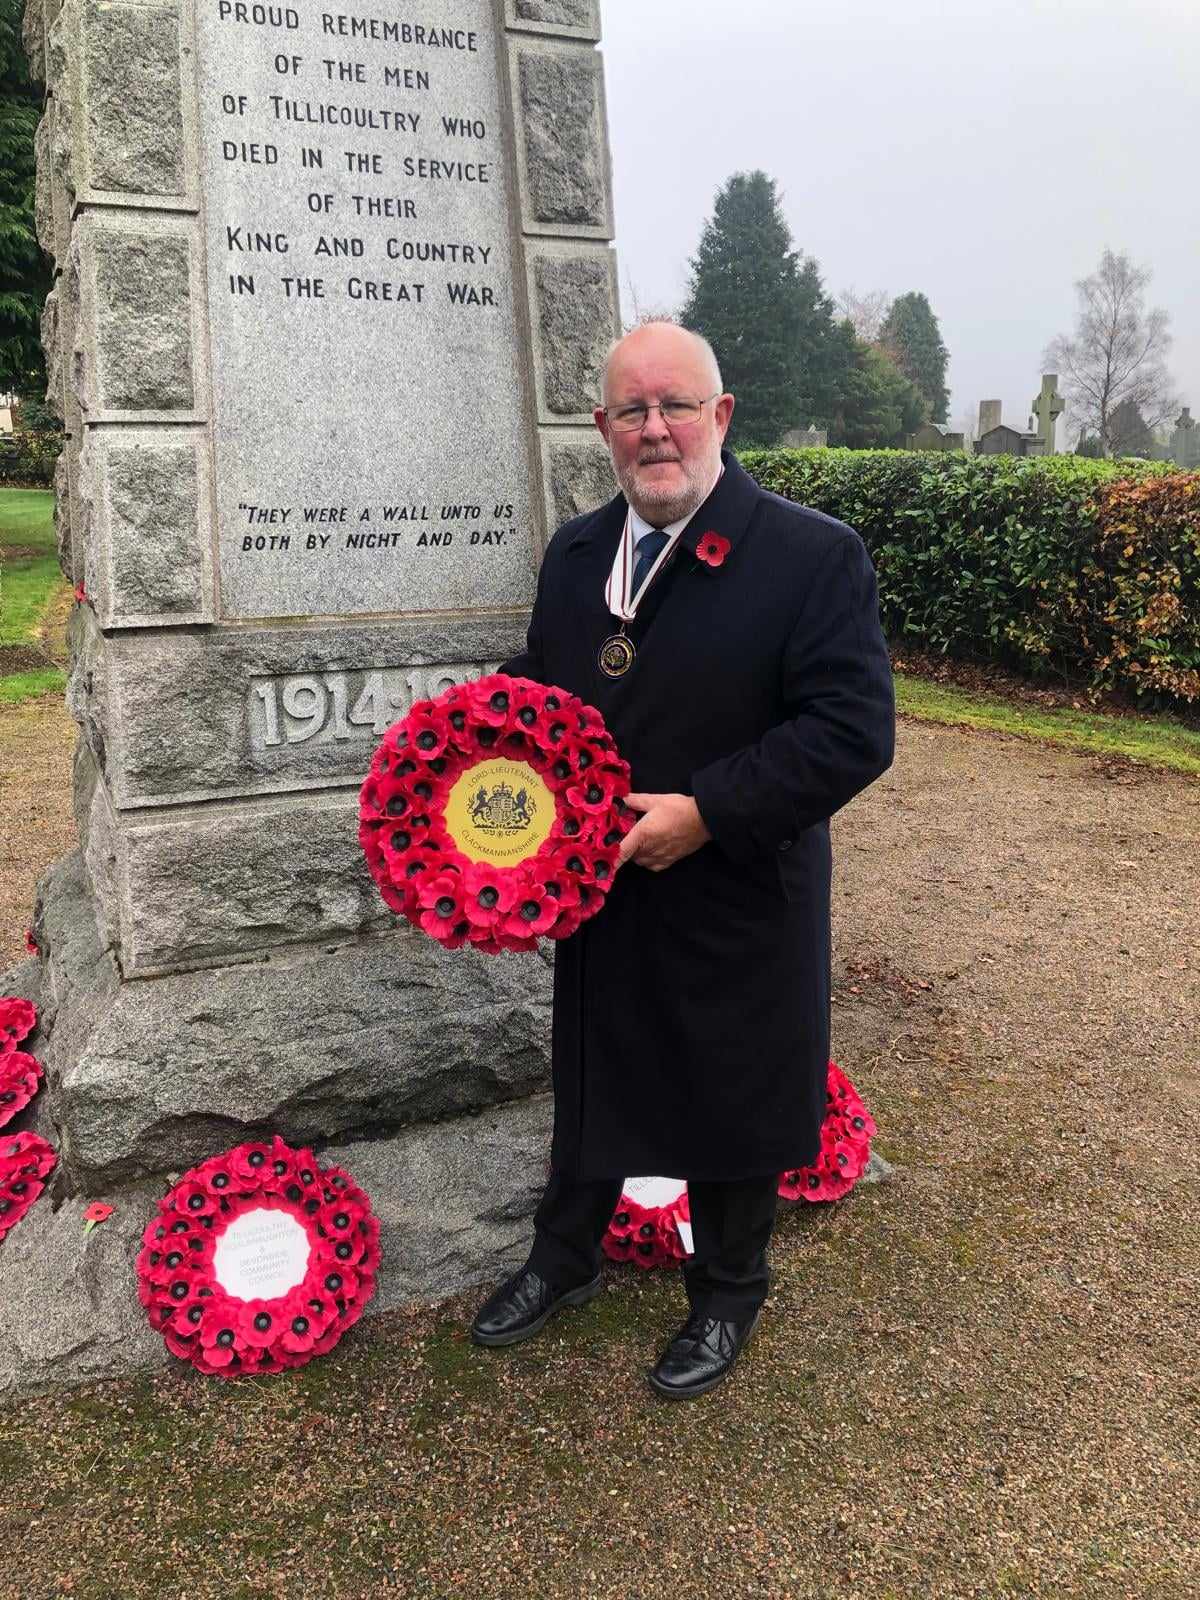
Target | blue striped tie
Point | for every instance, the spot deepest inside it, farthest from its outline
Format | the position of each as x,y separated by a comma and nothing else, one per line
648,551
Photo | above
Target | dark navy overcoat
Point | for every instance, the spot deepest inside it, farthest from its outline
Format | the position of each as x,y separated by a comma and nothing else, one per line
691,1015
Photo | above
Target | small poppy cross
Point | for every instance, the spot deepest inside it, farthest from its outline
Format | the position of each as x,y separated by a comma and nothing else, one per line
97,1212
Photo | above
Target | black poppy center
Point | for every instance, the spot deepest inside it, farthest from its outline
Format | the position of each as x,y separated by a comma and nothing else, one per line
529,910
527,715
445,906
499,701
225,1338
333,1282
262,1321
488,898
255,1158
426,740
594,794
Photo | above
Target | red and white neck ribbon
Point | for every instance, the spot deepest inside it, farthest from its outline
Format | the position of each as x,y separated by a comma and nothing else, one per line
617,596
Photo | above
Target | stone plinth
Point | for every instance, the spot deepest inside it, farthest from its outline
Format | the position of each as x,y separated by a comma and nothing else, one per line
331,299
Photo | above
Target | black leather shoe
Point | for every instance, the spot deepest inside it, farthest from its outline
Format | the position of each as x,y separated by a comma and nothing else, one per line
523,1305
700,1356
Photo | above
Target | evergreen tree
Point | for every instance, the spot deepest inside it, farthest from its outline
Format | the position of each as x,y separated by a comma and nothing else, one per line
912,338
24,271
876,406
760,304
1128,432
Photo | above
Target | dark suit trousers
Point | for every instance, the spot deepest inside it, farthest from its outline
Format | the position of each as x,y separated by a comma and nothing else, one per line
727,1276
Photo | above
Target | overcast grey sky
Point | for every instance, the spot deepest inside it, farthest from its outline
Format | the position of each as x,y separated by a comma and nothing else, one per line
986,155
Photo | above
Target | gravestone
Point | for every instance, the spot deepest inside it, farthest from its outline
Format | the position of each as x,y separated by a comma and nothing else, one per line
1185,441
333,290
1048,406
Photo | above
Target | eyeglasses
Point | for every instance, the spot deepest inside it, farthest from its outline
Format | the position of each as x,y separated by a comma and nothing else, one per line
630,419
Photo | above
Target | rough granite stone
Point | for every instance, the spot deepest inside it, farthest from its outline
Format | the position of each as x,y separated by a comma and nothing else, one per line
878,1170
579,19
134,98
52,344
62,84
69,1311
210,883
317,1043
43,196
33,38
216,682
579,475
562,127
62,514
139,356
487,1174
154,522
575,322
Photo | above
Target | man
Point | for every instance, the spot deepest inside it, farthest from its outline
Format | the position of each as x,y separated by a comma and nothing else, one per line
731,641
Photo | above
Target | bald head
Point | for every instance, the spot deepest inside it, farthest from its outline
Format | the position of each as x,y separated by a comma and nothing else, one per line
665,341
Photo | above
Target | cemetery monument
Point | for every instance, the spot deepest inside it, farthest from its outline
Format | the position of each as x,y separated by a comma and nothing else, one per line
333,289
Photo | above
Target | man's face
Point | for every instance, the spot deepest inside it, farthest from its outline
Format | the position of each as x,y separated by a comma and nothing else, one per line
664,468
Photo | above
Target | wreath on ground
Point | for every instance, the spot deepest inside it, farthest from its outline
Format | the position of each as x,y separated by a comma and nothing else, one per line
492,816
26,1161
257,1260
652,1223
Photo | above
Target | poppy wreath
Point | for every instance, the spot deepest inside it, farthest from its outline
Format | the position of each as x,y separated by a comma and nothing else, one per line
26,1161
647,1234
492,816
17,1020
20,1075
846,1135
222,1332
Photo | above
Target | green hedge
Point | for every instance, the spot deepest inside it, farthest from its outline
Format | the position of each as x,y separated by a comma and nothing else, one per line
27,459
1021,560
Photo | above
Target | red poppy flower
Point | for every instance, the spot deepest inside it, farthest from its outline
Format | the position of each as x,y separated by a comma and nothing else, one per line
428,734
490,699
20,1075
533,912
31,944
592,792
17,1020
442,899
250,1162
489,894
712,548
96,1212
80,594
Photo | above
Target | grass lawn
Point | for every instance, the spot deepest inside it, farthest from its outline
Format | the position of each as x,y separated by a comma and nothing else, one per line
1161,742
29,571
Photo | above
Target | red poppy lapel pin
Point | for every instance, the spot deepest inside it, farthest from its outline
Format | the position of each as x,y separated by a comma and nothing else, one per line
712,548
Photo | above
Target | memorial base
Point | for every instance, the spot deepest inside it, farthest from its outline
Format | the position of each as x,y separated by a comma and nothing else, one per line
420,1071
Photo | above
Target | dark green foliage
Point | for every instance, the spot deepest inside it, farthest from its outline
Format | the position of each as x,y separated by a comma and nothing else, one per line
27,460
1089,446
760,304
1128,432
24,272
874,406
1004,558
912,338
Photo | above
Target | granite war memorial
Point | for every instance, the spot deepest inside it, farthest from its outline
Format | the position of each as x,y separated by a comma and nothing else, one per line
332,291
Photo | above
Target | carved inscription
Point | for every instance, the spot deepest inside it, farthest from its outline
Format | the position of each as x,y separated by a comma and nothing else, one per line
324,707
369,412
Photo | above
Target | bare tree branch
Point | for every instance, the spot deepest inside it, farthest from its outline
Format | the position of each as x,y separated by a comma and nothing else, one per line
1117,353
868,312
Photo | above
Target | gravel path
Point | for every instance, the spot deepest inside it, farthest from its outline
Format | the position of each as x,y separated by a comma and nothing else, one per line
977,1381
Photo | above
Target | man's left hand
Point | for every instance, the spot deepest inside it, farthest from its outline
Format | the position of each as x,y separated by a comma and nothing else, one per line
669,828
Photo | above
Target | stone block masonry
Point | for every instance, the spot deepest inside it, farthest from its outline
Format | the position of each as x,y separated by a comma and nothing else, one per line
332,292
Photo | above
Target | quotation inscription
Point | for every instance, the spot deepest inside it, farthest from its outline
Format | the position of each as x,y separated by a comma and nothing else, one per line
366,355
333,706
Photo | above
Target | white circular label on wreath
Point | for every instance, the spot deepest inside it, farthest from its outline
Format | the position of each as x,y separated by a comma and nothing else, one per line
653,1193
261,1255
